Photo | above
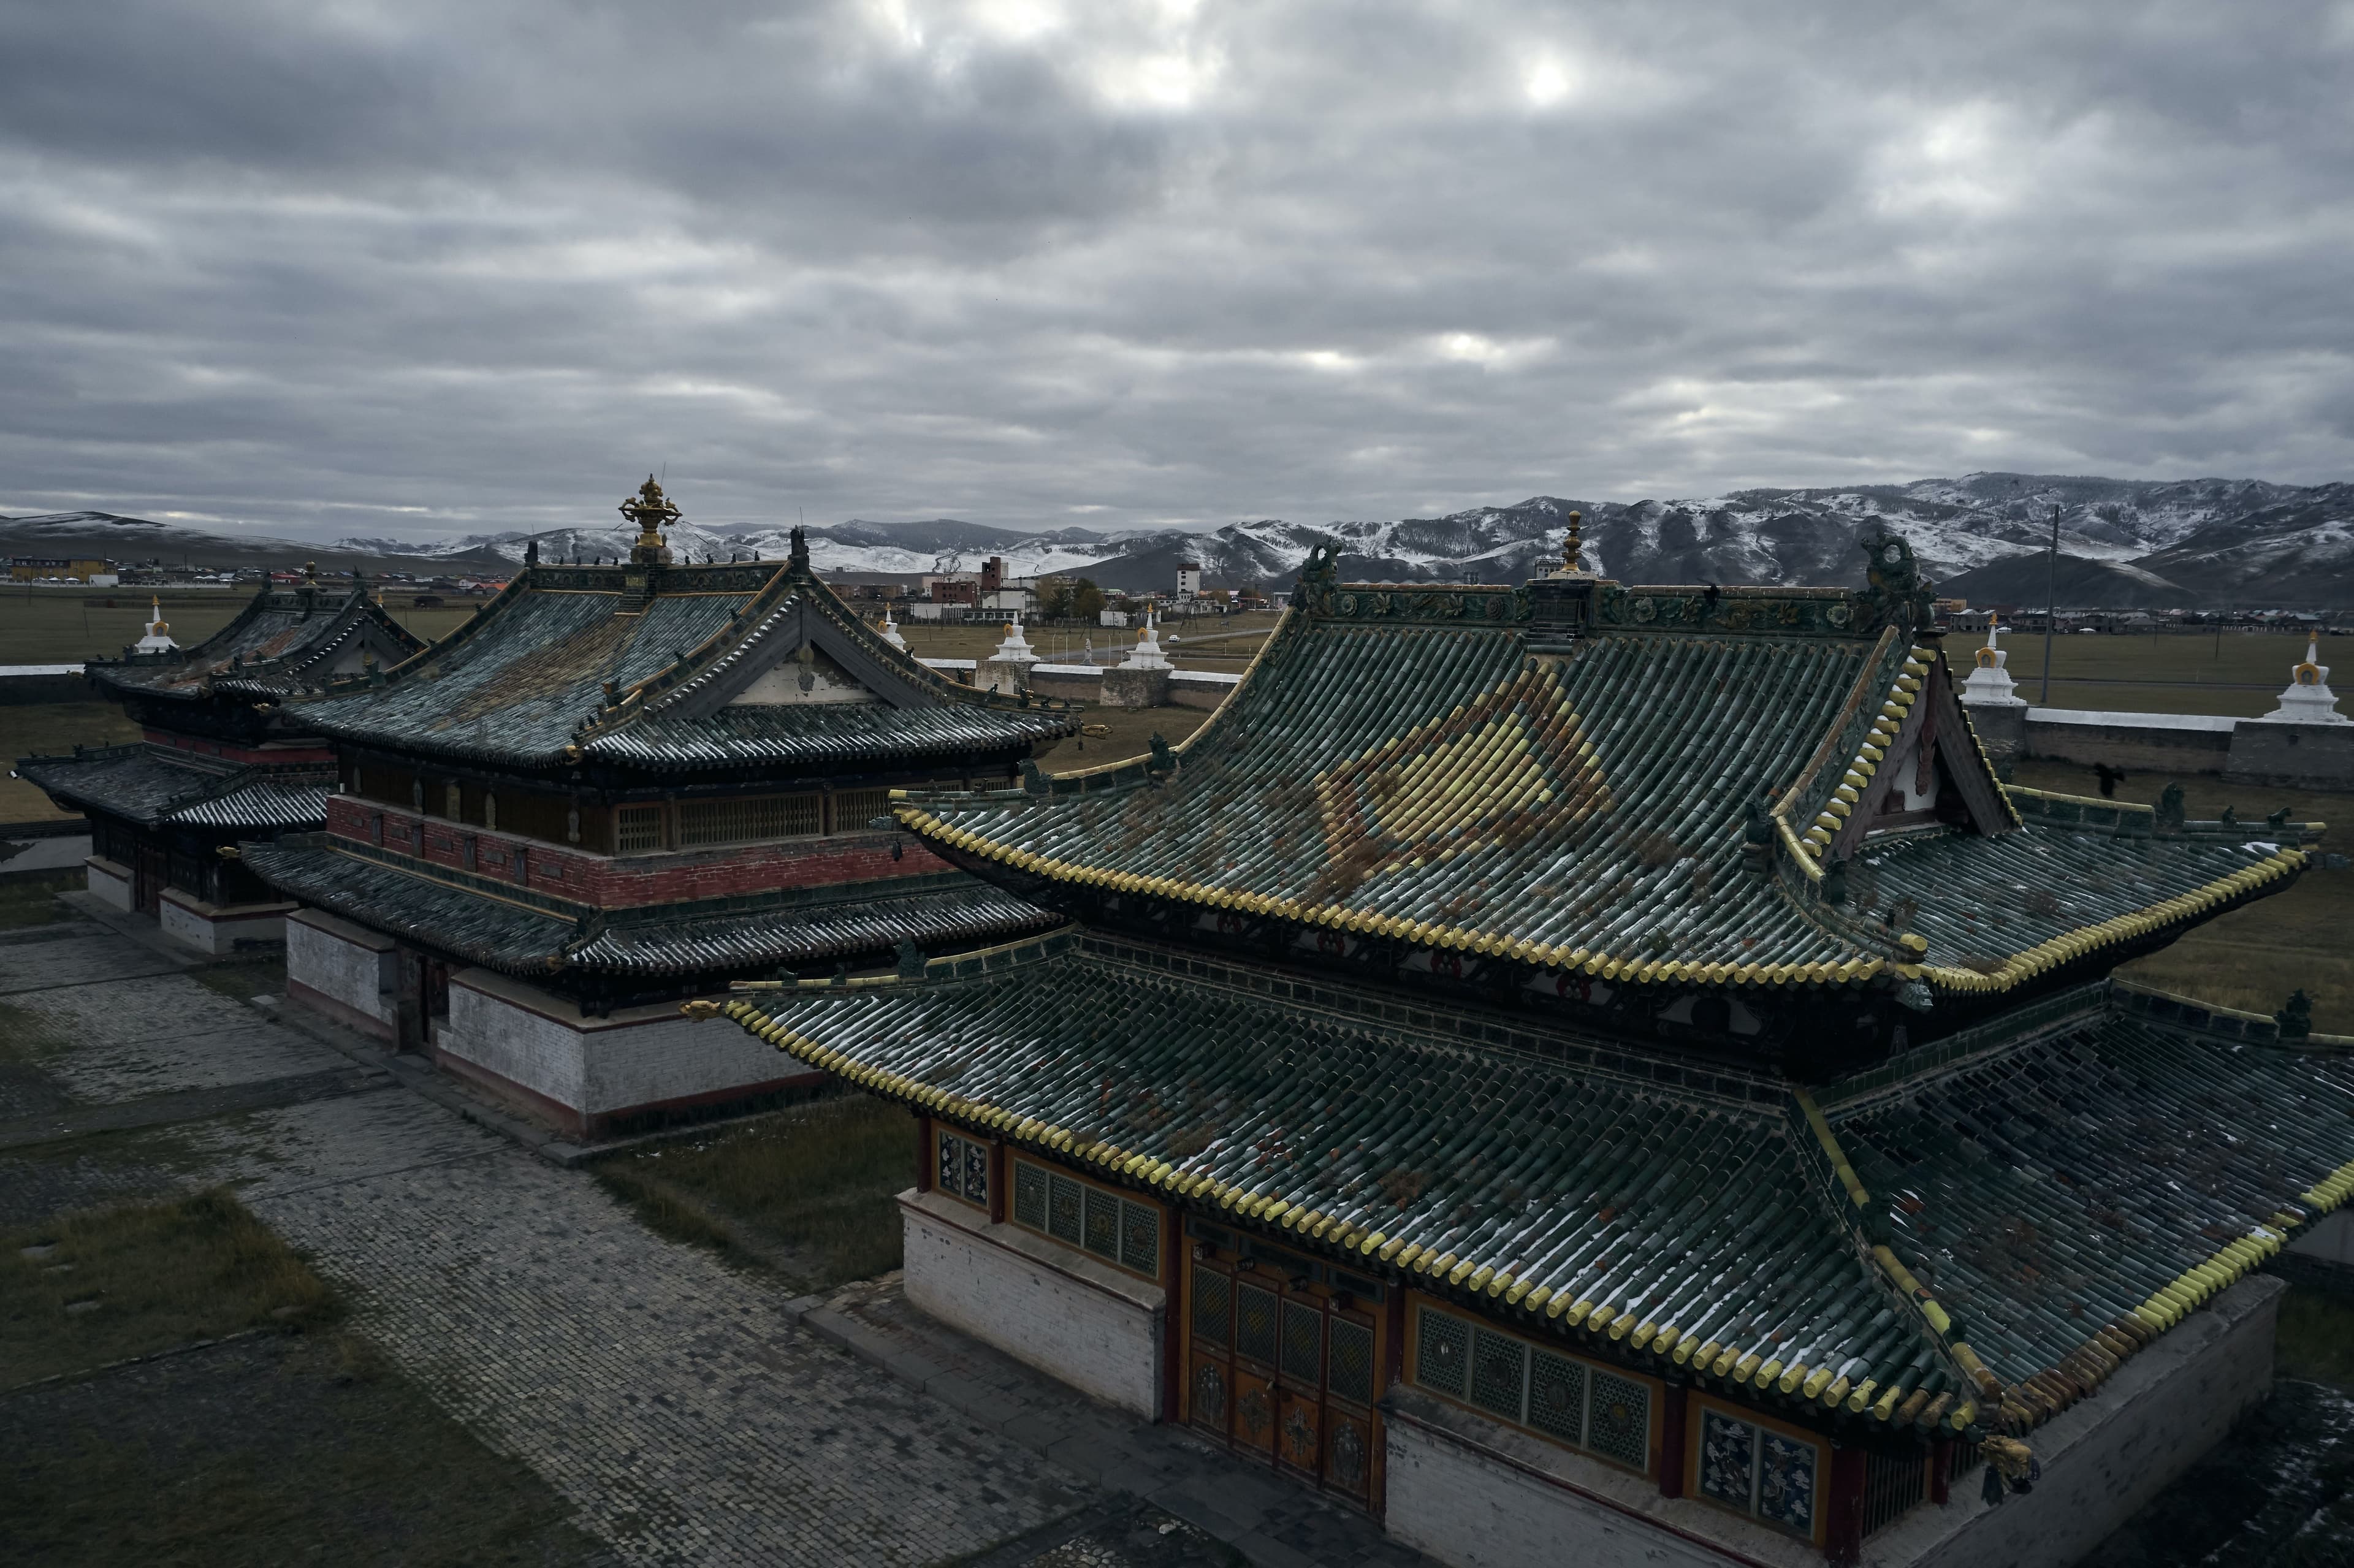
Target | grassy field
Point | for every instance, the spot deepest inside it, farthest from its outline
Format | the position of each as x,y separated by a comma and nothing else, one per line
2200,670
2252,958
302,1443
52,729
809,1191
81,1291
66,625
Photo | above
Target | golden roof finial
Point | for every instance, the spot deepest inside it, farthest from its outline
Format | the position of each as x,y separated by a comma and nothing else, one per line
650,509
1573,554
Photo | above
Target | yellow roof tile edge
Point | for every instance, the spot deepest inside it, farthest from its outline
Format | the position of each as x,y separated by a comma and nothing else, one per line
2034,961
1471,1274
1899,1277
1421,933
1824,754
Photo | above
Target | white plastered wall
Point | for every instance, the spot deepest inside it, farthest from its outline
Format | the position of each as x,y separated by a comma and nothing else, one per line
346,964
1078,1320
108,882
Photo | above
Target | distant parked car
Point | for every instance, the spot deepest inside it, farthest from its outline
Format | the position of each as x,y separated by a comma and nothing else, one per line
426,602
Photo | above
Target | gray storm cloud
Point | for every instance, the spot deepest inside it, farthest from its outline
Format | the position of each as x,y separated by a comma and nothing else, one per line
424,269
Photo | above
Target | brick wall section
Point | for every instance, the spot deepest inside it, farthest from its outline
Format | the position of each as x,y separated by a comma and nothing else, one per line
1056,1309
625,882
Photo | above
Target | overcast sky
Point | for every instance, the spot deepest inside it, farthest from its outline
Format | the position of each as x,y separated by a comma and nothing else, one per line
417,268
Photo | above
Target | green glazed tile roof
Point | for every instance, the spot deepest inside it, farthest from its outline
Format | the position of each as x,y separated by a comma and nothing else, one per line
283,641
153,785
526,680
2040,1212
2067,1200
1447,775
477,918
1679,1225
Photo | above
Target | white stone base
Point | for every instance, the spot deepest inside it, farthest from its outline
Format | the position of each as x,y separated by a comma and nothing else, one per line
110,881
219,928
342,970
1087,1324
1474,1495
542,1054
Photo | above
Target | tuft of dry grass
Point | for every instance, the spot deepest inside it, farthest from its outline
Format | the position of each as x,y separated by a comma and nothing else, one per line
83,1289
2315,1339
818,1182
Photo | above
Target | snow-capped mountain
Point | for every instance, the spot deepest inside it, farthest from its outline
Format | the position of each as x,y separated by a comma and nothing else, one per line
2193,543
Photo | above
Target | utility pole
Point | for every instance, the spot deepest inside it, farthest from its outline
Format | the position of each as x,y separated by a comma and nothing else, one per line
2051,605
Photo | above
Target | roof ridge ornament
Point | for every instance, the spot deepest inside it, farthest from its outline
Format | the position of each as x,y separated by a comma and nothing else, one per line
799,555
1897,591
652,510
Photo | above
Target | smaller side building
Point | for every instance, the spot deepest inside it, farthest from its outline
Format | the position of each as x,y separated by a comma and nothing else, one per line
223,756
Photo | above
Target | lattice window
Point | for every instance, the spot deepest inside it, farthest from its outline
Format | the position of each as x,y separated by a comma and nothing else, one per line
1557,1396
1139,1237
1214,1299
1063,1222
1029,1196
853,808
1499,1373
1112,1227
1255,1331
1348,1368
1618,1420
963,1169
747,818
637,829
1442,1354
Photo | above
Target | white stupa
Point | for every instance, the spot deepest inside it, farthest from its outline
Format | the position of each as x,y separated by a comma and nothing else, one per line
159,636
1147,653
2308,699
1990,683
1008,669
891,632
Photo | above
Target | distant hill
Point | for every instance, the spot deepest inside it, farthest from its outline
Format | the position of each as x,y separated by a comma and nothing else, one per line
2203,542
131,540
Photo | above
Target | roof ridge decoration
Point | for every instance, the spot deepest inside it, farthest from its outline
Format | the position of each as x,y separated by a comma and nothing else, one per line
314,632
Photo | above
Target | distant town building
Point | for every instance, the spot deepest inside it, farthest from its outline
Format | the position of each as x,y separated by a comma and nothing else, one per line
57,569
1189,580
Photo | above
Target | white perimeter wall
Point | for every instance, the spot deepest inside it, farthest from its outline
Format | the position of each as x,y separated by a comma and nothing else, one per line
210,928
342,962
1074,1319
598,1066
111,882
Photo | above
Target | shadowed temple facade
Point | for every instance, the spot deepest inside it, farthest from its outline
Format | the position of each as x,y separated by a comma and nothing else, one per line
622,785
1605,1074
226,753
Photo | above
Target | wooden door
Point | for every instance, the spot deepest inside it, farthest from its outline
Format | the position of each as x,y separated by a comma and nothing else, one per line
150,869
1285,1366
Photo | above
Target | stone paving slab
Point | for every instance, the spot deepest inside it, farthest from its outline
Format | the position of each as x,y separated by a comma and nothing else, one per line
187,1105
76,957
161,1033
667,1398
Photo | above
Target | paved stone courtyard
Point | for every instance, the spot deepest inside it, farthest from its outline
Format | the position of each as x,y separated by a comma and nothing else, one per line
690,1413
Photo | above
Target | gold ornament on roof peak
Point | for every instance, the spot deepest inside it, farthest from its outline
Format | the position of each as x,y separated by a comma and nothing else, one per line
1572,552
651,510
